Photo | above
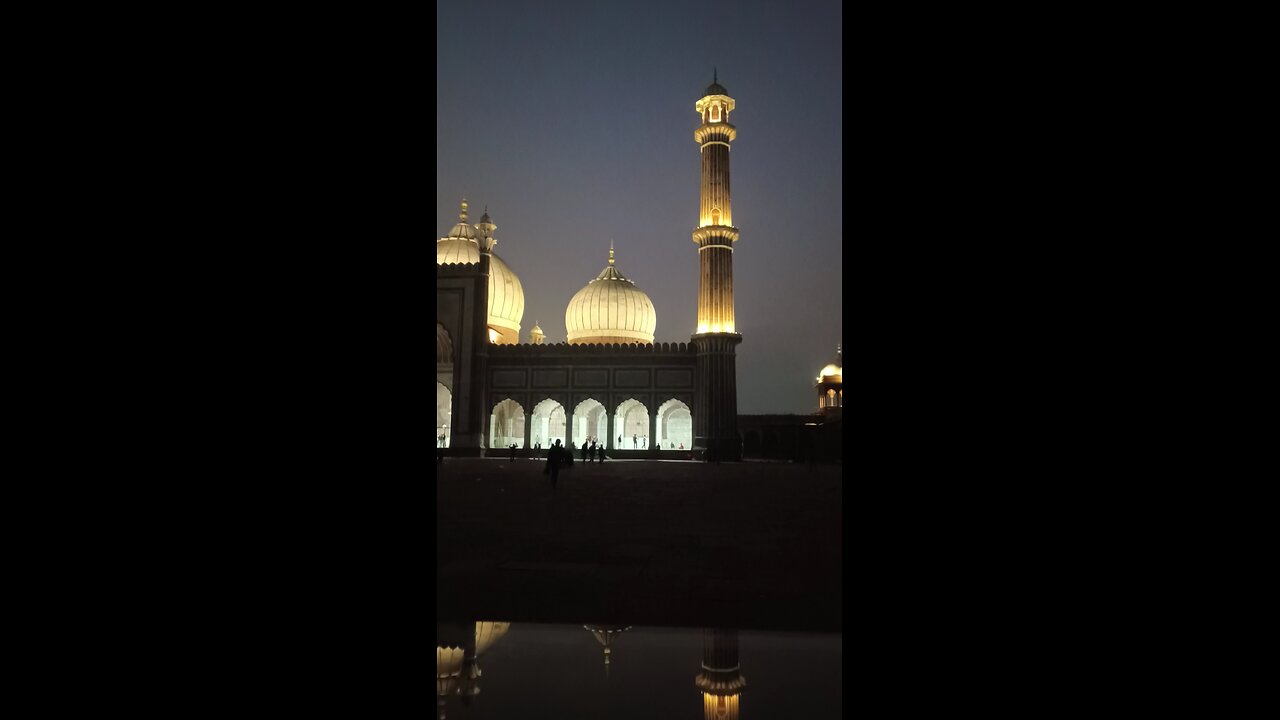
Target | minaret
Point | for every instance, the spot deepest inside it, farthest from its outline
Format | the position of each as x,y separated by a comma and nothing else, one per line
486,227
536,336
604,634
716,406
721,680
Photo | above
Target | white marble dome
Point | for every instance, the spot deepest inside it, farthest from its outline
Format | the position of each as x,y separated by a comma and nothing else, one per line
610,309
506,296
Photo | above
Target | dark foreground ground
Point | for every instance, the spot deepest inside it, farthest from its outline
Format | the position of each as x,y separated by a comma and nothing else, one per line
746,545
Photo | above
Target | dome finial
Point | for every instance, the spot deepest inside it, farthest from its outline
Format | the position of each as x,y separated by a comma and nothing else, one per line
462,216
610,251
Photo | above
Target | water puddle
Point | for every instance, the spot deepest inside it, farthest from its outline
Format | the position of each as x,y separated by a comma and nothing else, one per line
527,670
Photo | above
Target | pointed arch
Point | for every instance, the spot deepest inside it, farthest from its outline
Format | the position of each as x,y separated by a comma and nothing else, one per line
631,423
444,415
550,423
506,424
590,420
675,425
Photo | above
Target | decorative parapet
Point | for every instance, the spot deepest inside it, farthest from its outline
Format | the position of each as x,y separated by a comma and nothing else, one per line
565,349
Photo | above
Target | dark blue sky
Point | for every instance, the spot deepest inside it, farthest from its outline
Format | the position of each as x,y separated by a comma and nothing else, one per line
573,122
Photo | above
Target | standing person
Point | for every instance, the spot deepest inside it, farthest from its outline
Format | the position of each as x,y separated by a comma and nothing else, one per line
619,441
553,463
586,449
513,452
635,442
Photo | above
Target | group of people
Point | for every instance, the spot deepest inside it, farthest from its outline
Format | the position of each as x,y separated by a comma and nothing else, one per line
591,447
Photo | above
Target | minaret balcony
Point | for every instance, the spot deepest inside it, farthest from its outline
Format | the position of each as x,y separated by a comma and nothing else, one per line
722,132
709,234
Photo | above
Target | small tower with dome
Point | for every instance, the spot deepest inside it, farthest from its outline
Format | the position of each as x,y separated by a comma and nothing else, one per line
830,387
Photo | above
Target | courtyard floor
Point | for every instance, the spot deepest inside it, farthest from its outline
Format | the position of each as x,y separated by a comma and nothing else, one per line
640,542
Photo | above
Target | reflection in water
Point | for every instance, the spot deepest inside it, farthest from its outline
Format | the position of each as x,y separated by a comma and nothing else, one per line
458,651
604,635
720,681
553,667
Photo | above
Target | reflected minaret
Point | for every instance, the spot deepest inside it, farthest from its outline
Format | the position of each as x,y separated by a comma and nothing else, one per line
454,643
720,681
715,416
458,652
605,635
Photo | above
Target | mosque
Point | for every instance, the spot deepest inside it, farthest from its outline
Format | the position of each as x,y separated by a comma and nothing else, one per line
611,381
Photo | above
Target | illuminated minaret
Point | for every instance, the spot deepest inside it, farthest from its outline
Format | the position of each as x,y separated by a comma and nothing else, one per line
721,680
716,406
604,634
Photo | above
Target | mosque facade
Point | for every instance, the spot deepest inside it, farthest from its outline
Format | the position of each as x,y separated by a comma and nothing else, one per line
611,381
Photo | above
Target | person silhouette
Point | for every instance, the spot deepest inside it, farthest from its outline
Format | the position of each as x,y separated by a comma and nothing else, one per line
635,442
553,463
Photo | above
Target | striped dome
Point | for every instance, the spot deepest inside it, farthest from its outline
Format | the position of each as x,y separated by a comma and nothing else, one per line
506,296
610,309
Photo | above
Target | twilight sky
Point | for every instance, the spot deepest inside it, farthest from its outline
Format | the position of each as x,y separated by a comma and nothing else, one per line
573,122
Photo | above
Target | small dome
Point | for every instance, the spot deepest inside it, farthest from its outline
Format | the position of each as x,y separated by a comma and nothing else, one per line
715,88
832,372
462,229
610,309
506,295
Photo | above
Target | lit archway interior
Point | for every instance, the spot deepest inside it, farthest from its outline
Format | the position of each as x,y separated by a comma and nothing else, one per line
589,421
548,424
632,423
444,410
675,425
506,425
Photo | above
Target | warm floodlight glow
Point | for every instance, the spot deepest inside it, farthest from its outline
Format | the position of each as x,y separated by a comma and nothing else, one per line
704,328
720,707
494,336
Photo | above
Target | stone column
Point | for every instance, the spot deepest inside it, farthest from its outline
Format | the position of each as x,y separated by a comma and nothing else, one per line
653,430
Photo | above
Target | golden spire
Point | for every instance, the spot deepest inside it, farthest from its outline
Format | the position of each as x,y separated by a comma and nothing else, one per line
611,251
462,216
